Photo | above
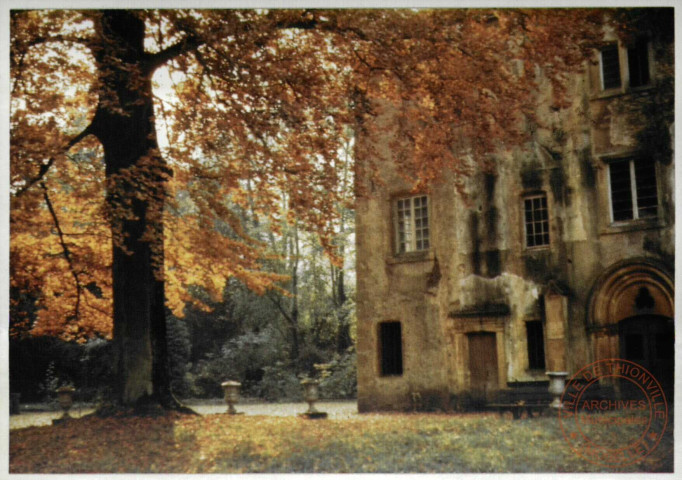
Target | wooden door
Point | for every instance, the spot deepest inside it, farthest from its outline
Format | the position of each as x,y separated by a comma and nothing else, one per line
649,340
482,364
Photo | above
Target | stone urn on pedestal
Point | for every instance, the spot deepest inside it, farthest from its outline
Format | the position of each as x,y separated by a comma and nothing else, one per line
231,390
311,394
65,400
557,384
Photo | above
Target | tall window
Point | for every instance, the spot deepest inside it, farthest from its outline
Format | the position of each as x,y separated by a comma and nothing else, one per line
391,348
638,63
536,345
412,224
634,193
610,67
536,220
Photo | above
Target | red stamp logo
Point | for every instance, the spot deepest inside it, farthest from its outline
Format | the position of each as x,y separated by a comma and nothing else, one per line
617,431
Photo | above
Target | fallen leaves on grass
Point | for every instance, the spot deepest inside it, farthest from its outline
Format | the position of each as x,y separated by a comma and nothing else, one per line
369,443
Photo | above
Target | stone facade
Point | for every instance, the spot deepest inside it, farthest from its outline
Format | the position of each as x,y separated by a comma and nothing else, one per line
562,255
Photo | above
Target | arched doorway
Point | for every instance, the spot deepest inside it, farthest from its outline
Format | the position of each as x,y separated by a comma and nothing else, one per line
631,315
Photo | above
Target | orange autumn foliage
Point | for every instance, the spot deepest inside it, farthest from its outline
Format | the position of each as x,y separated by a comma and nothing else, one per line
250,107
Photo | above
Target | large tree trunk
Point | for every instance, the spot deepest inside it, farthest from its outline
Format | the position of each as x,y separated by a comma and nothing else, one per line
136,176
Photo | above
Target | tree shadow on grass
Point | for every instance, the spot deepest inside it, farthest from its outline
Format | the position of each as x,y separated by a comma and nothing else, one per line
131,444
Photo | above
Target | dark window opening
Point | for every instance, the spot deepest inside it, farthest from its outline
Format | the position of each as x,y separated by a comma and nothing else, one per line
536,345
638,63
610,67
536,221
634,193
391,348
621,191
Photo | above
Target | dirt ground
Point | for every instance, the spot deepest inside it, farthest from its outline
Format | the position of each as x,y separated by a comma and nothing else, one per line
31,415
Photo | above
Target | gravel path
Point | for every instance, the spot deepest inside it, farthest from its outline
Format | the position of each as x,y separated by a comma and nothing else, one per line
338,409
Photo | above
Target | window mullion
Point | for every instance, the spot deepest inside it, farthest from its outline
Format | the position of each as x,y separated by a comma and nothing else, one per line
413,226
610,193
601,71
633,189
397,220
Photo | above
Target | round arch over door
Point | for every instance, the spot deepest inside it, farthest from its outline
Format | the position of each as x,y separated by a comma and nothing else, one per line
631,313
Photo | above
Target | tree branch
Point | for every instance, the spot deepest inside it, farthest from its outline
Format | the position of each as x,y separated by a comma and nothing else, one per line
65,248
311,20
188,44
284,313
40,40
45,167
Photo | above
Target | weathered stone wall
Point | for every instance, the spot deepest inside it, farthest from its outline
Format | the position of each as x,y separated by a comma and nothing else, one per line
478,275
395,289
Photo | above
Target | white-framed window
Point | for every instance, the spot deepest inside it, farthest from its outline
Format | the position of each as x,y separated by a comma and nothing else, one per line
610,67
637,73
633,190
412,224
536,220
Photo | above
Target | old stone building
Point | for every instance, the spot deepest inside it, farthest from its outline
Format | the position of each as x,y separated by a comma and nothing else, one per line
562,255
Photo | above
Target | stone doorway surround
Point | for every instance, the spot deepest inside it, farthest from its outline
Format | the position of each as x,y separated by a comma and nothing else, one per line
463,323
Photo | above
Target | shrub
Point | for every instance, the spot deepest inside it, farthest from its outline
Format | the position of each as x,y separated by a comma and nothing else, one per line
244,359
48,387
338,378
39,364
179,351
97,367
280,383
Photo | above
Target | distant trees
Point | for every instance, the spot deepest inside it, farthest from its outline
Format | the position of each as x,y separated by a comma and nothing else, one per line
268,342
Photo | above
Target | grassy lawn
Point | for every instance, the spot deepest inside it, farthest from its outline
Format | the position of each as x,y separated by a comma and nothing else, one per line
366,443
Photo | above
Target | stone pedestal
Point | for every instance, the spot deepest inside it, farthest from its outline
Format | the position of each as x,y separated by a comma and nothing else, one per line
65,400
557,384
311,394
231,390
